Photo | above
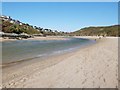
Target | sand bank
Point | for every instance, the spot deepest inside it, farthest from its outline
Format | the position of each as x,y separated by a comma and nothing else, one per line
95,66
37,38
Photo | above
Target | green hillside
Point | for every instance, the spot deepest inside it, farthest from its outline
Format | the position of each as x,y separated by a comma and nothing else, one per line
8,27
94,31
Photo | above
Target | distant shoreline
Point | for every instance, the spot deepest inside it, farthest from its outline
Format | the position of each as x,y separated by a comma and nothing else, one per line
52,38
37,38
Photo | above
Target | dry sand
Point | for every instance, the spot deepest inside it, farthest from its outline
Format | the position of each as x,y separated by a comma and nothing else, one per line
3,40
49,38
95,66
37,38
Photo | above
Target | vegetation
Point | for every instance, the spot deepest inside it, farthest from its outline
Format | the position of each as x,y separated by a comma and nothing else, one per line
16,27
98,31
8,27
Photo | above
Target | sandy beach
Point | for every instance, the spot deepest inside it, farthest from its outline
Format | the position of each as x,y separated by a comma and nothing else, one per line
95,66
37,38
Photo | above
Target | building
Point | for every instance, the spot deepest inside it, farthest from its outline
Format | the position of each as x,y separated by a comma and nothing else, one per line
8,18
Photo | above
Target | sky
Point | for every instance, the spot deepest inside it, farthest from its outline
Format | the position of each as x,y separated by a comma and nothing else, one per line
60,0
63,16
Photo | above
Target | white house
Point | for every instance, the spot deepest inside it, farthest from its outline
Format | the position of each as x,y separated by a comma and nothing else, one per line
11,21
21,23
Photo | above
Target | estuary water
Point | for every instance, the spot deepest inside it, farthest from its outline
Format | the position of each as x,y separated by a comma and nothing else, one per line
13,51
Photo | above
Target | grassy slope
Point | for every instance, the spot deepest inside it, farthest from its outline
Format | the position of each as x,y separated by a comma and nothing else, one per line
90,31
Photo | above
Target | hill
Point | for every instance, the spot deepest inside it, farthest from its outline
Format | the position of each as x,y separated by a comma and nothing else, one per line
10,25
98,31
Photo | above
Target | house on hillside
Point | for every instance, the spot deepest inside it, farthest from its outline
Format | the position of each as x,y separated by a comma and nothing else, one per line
8,18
